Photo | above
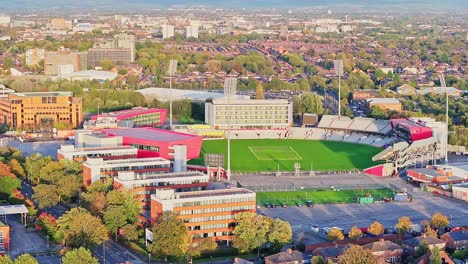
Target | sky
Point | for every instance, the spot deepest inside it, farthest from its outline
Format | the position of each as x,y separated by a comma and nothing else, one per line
115,4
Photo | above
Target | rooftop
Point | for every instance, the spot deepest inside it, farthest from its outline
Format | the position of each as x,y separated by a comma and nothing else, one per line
130,112
163,94
100,161
149,176
383,100
148,133
250,102
34,94
406,123
209,193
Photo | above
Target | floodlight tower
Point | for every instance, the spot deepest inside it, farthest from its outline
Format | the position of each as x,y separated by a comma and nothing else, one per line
442,83
230,86
171,71
338,65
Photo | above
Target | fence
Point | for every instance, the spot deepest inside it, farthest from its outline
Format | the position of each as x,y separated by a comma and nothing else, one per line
291,187
292,173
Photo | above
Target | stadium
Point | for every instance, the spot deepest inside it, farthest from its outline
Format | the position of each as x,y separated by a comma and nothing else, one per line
377,147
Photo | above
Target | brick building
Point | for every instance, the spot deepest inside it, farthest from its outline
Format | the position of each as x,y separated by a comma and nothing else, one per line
4,237
116,55
64,61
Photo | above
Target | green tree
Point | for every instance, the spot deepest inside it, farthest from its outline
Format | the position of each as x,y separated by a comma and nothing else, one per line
52,172
8,184
357,254
81,229
335,234
123,71
171,237
200,246
106,64
130,206
46,195
318,260
422,249
34,164
280,233
439,220
130,232
80,255
115,218
297,105
435,257
8,63
312,103
251,231
25,259
404,224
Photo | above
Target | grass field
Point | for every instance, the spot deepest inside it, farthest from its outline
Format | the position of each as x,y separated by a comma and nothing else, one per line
319,196
268,154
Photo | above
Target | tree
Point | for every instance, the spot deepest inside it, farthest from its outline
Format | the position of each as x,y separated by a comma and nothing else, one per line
81,255
94,202
16,168
251,231
355,233
8,63
430,232
25,259
8,184
171,237
81,229
439,220
114,218
280,233
297,105
200,246
5,260
34,163
335,234
318,260
130,206
123,71
312,103
435,257
376,228
259,92
422,249
107,64
52,172
357,254
130,232
404,224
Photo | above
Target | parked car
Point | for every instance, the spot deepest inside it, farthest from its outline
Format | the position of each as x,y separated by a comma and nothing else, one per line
268,205
258,206
299,205
309,203
284,205
273,205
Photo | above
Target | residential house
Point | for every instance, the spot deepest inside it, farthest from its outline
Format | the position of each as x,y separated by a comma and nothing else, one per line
330,253
288,257
406,89
452,91
363,94
413,243
386,251
241,261
456,240
425,259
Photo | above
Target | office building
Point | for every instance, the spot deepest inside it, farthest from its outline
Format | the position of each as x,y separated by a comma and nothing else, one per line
392,104
167,31
95,169
144,185
191,32
116,55
136,117
60,24
41,109
245,114
34,56
5,21
106,153
209,213
63,61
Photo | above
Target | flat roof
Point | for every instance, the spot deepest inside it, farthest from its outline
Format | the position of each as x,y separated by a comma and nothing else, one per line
163,94
209,193
130,112
250,102
13,209
33,94
149,133
126,161
171,175
383,100
406,123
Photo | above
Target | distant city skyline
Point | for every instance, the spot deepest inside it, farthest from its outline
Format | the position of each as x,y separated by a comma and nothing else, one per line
459,5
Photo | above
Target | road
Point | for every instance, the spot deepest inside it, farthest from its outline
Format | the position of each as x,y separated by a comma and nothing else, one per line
116,253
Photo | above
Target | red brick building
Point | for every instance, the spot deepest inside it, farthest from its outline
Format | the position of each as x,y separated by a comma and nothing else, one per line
4,237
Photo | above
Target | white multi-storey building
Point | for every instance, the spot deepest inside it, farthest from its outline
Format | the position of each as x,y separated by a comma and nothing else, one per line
245,114
167,31
34,56
191,31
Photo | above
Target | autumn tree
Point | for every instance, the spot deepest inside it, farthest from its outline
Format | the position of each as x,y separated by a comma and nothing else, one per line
376,228
355,233
80,255
130,232
95,202
259,92
251,231
430,232
357,254
335,234
49,194
170,237
318,260
439,220
81,229
25,259
404,224
107,64
200,246
5,260
16,168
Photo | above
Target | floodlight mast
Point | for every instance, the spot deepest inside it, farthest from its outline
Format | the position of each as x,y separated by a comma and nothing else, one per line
443,84
171,71
338,65
230,85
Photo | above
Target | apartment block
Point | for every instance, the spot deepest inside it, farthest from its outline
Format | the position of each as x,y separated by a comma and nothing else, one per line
245,114
95,169
34,56
167,31
106,153
40,109
116,55
144,185
64,61
210,213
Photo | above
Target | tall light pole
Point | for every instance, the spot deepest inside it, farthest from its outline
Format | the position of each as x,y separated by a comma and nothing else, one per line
338,65
230,86
442,83
171,71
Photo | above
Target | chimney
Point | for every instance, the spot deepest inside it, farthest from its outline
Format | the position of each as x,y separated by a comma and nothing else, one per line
289,250
381,240
424,235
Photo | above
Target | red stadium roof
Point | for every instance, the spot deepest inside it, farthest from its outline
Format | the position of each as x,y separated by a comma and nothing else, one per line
407,123
149,133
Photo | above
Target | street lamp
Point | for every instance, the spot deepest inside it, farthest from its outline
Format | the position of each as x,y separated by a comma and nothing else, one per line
338,65
171,71
442,83
230,86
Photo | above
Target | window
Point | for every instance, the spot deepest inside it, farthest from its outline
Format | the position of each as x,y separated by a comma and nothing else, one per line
1,238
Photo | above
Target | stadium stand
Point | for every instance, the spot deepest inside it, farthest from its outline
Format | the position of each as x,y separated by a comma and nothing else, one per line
358,124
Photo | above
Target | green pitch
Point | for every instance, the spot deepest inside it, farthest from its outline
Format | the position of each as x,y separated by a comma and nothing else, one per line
320,196
249,155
